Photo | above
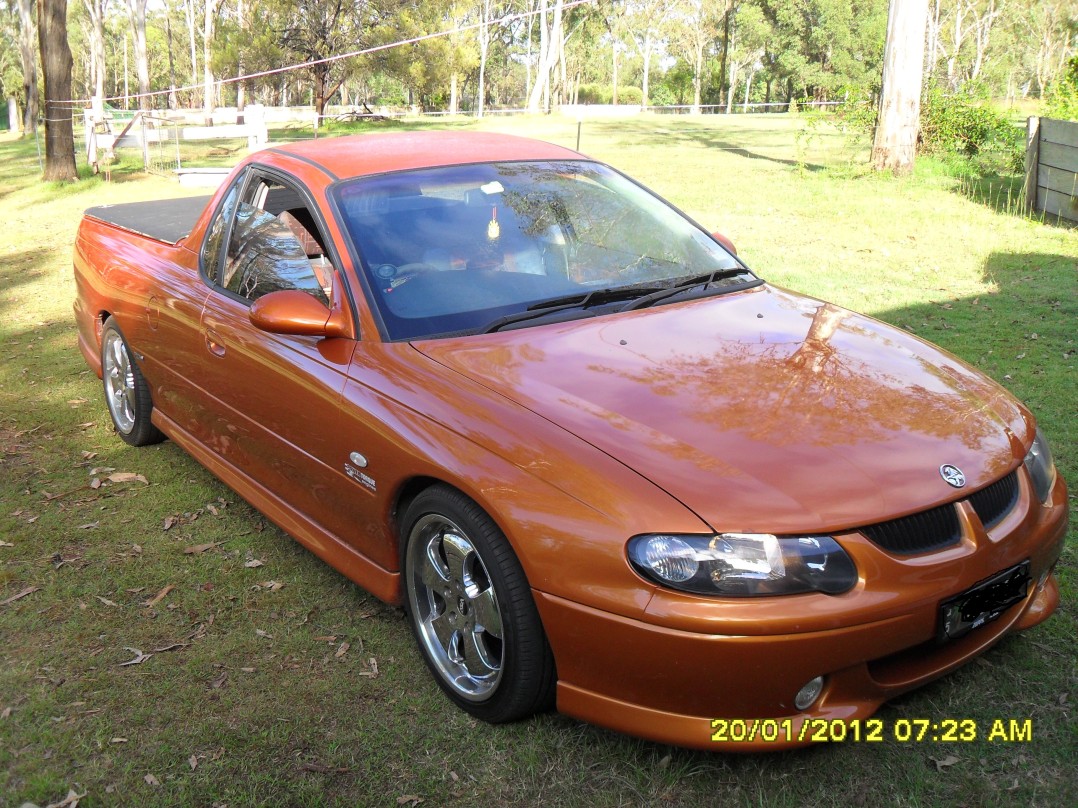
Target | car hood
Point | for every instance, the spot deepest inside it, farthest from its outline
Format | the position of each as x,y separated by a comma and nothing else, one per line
761,410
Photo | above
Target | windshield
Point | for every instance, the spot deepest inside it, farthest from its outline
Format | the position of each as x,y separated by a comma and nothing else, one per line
465,249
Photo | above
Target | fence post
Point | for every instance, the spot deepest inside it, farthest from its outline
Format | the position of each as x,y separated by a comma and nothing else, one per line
91,138
1032,164
145,143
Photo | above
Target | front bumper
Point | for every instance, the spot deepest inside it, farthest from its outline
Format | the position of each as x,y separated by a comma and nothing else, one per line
691,660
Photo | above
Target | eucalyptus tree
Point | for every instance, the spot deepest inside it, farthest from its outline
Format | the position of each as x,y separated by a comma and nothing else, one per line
649,21
551,54
818,47
56,69
897,125
318,32
28,54
97,9
136,12
697,24
209,87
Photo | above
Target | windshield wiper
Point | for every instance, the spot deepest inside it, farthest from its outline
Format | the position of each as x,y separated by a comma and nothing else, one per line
683,286
596,297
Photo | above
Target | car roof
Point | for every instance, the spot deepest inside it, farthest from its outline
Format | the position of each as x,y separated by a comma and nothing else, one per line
362,155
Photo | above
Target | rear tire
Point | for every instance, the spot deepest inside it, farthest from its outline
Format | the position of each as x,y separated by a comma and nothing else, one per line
471,609
126,392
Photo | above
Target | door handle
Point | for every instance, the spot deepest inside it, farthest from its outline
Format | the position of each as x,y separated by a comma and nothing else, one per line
214,344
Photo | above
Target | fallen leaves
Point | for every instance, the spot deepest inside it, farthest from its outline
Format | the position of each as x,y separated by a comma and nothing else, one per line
373,672
70,801
189,517
127,477
342,650
106,601
198,549
269,586
159,596
151,780
943,763
176,646
139,657
19,595
253,563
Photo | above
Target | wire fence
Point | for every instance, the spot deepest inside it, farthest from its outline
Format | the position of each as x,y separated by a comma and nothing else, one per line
159,136
718,109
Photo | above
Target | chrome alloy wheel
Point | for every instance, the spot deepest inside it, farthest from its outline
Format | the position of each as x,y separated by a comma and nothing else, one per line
119,382
455,607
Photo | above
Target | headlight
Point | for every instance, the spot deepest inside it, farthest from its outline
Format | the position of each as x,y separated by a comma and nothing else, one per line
1040,466
740,564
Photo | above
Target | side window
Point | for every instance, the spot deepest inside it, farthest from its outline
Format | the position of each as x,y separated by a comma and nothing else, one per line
211,253
275,245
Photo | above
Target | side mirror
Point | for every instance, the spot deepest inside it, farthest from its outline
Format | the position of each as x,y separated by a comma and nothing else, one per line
290,311
725,242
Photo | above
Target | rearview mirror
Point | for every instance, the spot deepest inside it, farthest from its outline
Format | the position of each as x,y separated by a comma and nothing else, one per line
725,242
290,311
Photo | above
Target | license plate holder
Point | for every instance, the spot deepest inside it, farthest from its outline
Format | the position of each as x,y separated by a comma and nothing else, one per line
983,602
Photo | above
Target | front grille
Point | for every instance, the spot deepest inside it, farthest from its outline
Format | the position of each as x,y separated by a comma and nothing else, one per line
938,528
917,533
995,501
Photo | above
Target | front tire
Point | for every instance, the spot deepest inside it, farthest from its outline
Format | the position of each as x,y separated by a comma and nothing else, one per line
471,609
126,392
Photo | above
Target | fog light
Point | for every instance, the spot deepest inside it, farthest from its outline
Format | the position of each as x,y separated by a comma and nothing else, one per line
809,693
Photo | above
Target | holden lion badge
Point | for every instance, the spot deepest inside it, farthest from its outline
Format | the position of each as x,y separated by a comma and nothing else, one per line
952,475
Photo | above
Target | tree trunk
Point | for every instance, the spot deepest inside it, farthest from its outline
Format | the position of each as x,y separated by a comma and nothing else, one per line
542,68
483,33
481,92
96,9
724,90
734,68
645,84
241,86
56,66
127,89
898,121
172,104
614,90
136,11
208,86
697,79
189,15
548,54
28,53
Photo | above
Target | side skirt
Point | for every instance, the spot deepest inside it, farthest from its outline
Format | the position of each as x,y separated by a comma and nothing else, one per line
382,583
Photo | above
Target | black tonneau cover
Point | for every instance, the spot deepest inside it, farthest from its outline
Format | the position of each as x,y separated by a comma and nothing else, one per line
167,220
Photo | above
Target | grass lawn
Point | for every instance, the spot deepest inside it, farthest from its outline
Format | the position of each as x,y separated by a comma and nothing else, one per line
273,680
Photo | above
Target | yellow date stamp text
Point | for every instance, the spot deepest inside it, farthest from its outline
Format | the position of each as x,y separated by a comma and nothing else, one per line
869,730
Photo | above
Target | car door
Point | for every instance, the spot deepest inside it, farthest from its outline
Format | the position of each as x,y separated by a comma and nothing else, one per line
275,399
